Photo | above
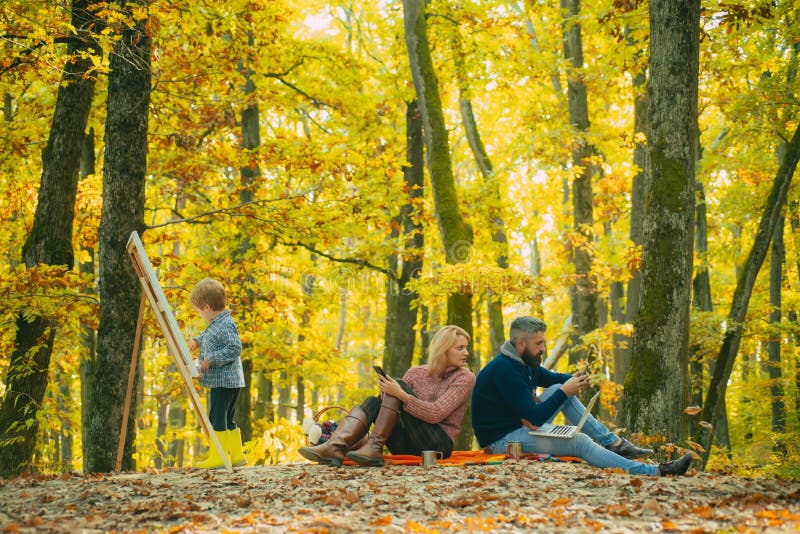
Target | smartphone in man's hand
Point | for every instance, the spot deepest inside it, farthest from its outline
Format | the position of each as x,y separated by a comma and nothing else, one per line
380,371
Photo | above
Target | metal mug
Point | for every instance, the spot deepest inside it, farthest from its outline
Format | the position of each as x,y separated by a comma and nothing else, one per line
514,449
429,458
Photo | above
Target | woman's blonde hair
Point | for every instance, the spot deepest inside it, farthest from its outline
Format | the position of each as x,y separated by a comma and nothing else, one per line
437,350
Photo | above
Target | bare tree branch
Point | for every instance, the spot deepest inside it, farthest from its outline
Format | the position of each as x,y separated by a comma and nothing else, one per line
230,210
314,100
234,211
353,261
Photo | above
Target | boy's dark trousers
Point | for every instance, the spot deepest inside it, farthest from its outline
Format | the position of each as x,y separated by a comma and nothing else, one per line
222,408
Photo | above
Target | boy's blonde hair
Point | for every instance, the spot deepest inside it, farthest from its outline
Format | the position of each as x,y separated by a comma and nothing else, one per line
437,350
208,291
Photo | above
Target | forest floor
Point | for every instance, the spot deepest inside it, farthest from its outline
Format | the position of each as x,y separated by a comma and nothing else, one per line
516,496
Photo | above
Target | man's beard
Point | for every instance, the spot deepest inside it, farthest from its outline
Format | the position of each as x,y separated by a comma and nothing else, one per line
530,359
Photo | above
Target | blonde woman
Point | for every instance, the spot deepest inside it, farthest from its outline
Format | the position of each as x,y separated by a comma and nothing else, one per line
429,402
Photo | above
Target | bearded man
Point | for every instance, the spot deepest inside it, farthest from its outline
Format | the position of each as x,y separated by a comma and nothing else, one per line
506,407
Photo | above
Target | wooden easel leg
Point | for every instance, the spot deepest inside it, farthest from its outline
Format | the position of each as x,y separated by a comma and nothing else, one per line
123,433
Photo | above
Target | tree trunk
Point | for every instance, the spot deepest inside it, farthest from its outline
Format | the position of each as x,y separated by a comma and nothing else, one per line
455,233
392,292
584,293
162,424
560,347
244,407
701,287
300,407
66,433
425,333
264,409
177,419
534,40
251,141
774,345
308,283
795,326
477,342
123,212
88,334
284,396
794,224
616,295
50,243
494,299
537,305
622,362
744,289
794,220
342,319
401,316
656,386
702,281
493,207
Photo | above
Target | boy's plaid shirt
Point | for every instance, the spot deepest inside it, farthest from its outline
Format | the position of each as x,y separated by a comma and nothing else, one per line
221,346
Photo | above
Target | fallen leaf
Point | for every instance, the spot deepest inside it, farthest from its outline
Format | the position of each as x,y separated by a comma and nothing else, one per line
382,521
243,501
706,512
596,526
695,446
615,509
692,410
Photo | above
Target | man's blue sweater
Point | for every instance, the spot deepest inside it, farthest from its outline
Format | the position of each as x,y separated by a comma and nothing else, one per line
503,396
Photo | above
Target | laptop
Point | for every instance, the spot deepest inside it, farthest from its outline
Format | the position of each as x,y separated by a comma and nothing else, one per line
565,431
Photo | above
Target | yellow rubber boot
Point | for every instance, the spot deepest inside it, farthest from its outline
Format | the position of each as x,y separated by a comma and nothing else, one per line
214,460
234,447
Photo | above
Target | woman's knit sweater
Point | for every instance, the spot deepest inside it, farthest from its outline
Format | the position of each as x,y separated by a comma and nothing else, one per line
440,401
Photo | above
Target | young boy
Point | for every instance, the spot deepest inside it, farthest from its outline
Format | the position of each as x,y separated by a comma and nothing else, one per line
221,367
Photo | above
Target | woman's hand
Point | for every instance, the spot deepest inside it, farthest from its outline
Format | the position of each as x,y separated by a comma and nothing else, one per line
389,386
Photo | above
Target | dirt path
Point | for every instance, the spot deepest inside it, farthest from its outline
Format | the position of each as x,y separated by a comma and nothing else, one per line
512,497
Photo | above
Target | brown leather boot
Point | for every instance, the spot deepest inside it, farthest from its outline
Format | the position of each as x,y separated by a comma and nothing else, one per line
372,452
349,433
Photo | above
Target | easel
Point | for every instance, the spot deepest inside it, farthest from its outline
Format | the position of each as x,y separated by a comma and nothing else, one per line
151,291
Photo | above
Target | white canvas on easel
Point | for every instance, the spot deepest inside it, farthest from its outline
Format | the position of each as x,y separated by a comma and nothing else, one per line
176,344
158,302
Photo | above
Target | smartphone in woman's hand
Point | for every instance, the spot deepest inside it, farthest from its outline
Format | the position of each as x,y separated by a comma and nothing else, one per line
380,371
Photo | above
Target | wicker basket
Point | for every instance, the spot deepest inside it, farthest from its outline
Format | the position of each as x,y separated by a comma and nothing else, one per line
322,411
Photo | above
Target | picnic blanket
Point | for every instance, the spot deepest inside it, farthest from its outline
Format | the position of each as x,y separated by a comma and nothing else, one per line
469,458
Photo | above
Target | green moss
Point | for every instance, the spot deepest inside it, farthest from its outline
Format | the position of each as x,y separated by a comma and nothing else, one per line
671,185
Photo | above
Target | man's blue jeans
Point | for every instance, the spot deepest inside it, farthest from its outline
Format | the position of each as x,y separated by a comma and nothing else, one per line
589,444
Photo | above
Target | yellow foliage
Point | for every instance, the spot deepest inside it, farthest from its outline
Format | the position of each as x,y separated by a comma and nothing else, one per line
291,242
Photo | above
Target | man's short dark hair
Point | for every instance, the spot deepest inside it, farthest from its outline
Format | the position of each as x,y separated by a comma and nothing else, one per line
525,325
